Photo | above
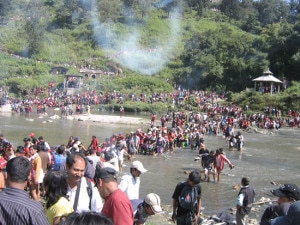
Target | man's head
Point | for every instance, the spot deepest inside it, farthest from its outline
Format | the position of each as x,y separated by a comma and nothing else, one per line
152,204
76,165
194,177
105,180
245,181
61,149
41,138
33,149
136,168
287,193
20,151
18,170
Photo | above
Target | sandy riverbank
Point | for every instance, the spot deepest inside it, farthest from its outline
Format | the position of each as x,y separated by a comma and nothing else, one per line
126,120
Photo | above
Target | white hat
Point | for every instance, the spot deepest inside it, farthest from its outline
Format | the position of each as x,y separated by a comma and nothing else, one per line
154,201
139,166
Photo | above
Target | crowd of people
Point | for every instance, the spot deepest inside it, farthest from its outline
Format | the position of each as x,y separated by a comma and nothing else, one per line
80,184
208,103
69,182
72,178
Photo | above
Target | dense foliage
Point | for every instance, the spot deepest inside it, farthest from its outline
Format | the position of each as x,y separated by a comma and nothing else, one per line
197,44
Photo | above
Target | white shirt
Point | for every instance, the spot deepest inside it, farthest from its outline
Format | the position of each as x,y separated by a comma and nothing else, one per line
131,186
84,199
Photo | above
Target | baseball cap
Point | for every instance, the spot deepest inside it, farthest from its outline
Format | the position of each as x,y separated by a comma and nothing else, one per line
31,134
139,166
154,201
287,190
105,172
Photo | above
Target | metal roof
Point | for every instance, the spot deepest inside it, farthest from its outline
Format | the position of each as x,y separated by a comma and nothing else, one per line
267,77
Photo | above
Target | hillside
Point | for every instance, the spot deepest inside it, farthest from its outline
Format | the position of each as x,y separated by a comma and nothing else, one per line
219,46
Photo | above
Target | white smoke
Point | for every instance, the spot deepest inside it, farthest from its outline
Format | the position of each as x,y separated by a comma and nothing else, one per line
127,51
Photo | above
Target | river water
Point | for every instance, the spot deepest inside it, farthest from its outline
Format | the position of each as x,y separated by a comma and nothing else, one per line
265,158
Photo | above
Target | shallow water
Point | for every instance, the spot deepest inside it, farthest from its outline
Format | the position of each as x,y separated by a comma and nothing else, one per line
265,158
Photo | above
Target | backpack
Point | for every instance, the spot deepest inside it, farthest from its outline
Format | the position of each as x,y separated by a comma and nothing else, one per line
188,197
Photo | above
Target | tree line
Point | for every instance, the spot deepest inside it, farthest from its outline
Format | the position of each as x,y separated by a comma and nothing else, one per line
224,44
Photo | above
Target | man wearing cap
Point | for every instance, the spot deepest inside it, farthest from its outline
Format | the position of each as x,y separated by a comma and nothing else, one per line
130,183
145,208
287,194
116,205
244,202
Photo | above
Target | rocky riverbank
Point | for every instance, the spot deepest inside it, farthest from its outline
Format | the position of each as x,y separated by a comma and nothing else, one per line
164,218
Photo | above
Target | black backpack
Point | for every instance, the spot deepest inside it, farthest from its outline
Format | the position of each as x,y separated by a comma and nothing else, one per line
188,197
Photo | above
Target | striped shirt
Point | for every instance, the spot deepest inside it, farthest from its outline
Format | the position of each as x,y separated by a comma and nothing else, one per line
16,208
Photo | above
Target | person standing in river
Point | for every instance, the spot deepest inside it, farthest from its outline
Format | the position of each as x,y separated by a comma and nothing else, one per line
187,202
244,202
219,162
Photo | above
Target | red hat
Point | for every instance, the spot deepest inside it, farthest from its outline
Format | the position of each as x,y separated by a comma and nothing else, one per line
31,134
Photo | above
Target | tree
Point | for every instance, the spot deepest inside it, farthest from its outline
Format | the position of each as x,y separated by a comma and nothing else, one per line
223,58
272,11
109,10
5,7
36,22
199,5
231,8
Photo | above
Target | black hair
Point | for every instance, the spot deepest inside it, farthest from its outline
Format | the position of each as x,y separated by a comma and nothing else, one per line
92,151
40,147
56,187
71,159
26,139
18,169
20,149
195,176
86,218
61,149
245,181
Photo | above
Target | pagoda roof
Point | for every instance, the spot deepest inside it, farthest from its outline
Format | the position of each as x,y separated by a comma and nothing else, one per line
267,77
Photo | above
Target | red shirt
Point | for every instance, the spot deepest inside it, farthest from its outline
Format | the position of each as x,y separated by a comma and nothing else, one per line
118,207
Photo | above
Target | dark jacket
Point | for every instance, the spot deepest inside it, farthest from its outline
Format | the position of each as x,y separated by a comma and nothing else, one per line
249,194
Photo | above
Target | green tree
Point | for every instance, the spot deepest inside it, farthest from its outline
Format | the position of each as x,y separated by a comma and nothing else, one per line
35,26
109,10
5,7
199,5
223,58
231,8
272,11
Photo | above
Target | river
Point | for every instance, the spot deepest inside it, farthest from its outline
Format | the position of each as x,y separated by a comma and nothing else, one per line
265,158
